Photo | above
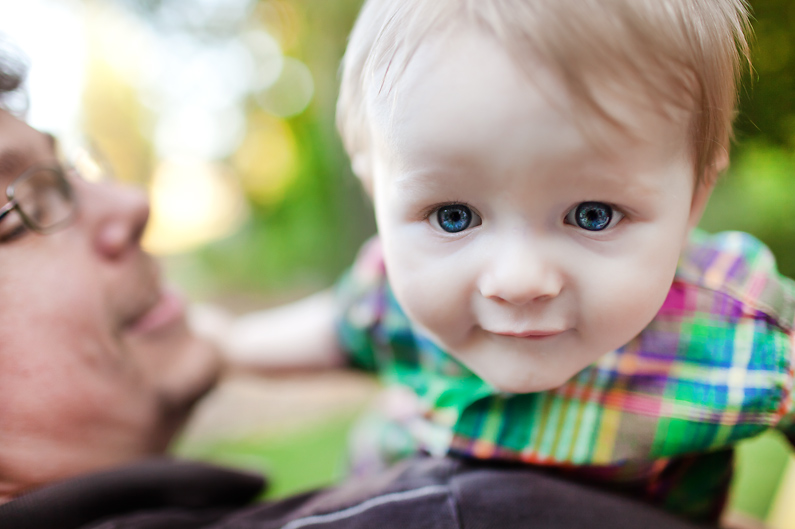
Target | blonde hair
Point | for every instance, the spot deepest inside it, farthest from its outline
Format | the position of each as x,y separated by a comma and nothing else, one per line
688,53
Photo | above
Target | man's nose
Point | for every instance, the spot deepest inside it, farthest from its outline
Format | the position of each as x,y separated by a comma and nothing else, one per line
520,271
116,214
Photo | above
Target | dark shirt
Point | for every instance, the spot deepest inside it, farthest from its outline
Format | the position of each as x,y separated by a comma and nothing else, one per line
422,493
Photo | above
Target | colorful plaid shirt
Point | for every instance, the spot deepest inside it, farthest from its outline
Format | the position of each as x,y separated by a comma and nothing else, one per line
656,418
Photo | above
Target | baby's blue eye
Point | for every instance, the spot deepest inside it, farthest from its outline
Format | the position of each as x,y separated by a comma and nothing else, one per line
454,218
592,216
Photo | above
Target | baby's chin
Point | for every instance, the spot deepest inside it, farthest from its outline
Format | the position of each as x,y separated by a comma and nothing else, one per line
521,382
527,375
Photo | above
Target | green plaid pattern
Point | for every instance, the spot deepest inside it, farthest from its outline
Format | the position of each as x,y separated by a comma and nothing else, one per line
656,418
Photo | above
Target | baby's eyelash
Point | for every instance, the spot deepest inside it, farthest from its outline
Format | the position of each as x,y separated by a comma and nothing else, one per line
430,210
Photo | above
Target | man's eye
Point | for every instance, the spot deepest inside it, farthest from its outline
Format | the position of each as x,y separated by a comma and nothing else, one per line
593,216
455,218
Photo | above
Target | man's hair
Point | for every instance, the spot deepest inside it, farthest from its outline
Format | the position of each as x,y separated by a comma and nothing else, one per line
13,69
683,53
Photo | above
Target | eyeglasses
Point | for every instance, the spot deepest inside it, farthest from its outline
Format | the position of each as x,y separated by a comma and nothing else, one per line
43,199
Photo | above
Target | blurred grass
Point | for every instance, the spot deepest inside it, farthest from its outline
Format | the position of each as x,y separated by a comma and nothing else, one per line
761,463
294,461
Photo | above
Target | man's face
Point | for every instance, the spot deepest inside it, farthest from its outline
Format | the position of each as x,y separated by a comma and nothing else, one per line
97,365
521,246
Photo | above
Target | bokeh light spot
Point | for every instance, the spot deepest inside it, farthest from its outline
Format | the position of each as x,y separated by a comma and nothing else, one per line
266,160
291,93
193,202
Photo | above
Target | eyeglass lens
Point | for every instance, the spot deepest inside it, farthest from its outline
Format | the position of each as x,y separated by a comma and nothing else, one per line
44,199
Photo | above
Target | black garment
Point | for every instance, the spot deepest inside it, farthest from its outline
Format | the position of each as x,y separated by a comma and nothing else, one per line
423,493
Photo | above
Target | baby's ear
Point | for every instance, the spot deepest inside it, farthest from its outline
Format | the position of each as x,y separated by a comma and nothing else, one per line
362,166
699,203
720,164
705,186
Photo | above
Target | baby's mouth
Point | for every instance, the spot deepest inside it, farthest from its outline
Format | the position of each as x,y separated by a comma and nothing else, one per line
534,334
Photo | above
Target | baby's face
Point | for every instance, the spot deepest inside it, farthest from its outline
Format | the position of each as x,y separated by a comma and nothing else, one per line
520,247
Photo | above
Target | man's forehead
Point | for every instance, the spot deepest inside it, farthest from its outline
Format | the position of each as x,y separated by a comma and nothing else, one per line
21,146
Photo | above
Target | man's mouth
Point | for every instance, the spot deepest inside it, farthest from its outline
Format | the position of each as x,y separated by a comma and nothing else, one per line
168,308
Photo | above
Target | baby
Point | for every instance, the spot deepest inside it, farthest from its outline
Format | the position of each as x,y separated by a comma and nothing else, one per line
537,169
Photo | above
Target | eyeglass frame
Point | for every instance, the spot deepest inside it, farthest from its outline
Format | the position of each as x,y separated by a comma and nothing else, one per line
13,203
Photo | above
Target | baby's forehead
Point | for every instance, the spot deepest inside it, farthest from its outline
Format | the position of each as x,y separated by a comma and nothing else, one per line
671,55
458,87
465,119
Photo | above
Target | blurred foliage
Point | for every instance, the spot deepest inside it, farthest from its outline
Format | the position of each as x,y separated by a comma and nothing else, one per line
308,238
767,108
308,213
757,196
758,193
311,235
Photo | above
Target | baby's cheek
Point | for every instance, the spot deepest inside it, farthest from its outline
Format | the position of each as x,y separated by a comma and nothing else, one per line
625,300
434,296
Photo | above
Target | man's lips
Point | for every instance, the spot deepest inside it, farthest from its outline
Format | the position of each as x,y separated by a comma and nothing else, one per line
169,308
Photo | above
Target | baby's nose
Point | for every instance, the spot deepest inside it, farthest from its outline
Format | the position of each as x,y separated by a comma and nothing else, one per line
521,273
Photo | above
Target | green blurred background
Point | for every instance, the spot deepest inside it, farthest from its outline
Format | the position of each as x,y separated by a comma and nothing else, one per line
305,214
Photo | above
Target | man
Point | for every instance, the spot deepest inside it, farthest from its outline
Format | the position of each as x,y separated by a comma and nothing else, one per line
98,370
98,366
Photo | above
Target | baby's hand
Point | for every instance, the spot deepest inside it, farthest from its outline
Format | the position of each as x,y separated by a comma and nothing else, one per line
212,323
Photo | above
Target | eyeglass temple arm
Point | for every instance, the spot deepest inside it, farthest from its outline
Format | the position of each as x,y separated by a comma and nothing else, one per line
7,208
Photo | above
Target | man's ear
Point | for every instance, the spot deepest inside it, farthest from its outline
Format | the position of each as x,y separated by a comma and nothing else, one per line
362,166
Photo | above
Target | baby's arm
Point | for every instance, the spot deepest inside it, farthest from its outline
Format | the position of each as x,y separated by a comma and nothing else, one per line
297,336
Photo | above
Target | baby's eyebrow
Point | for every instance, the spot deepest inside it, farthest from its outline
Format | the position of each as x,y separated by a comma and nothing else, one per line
423,186
424,180
624,186
409,182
